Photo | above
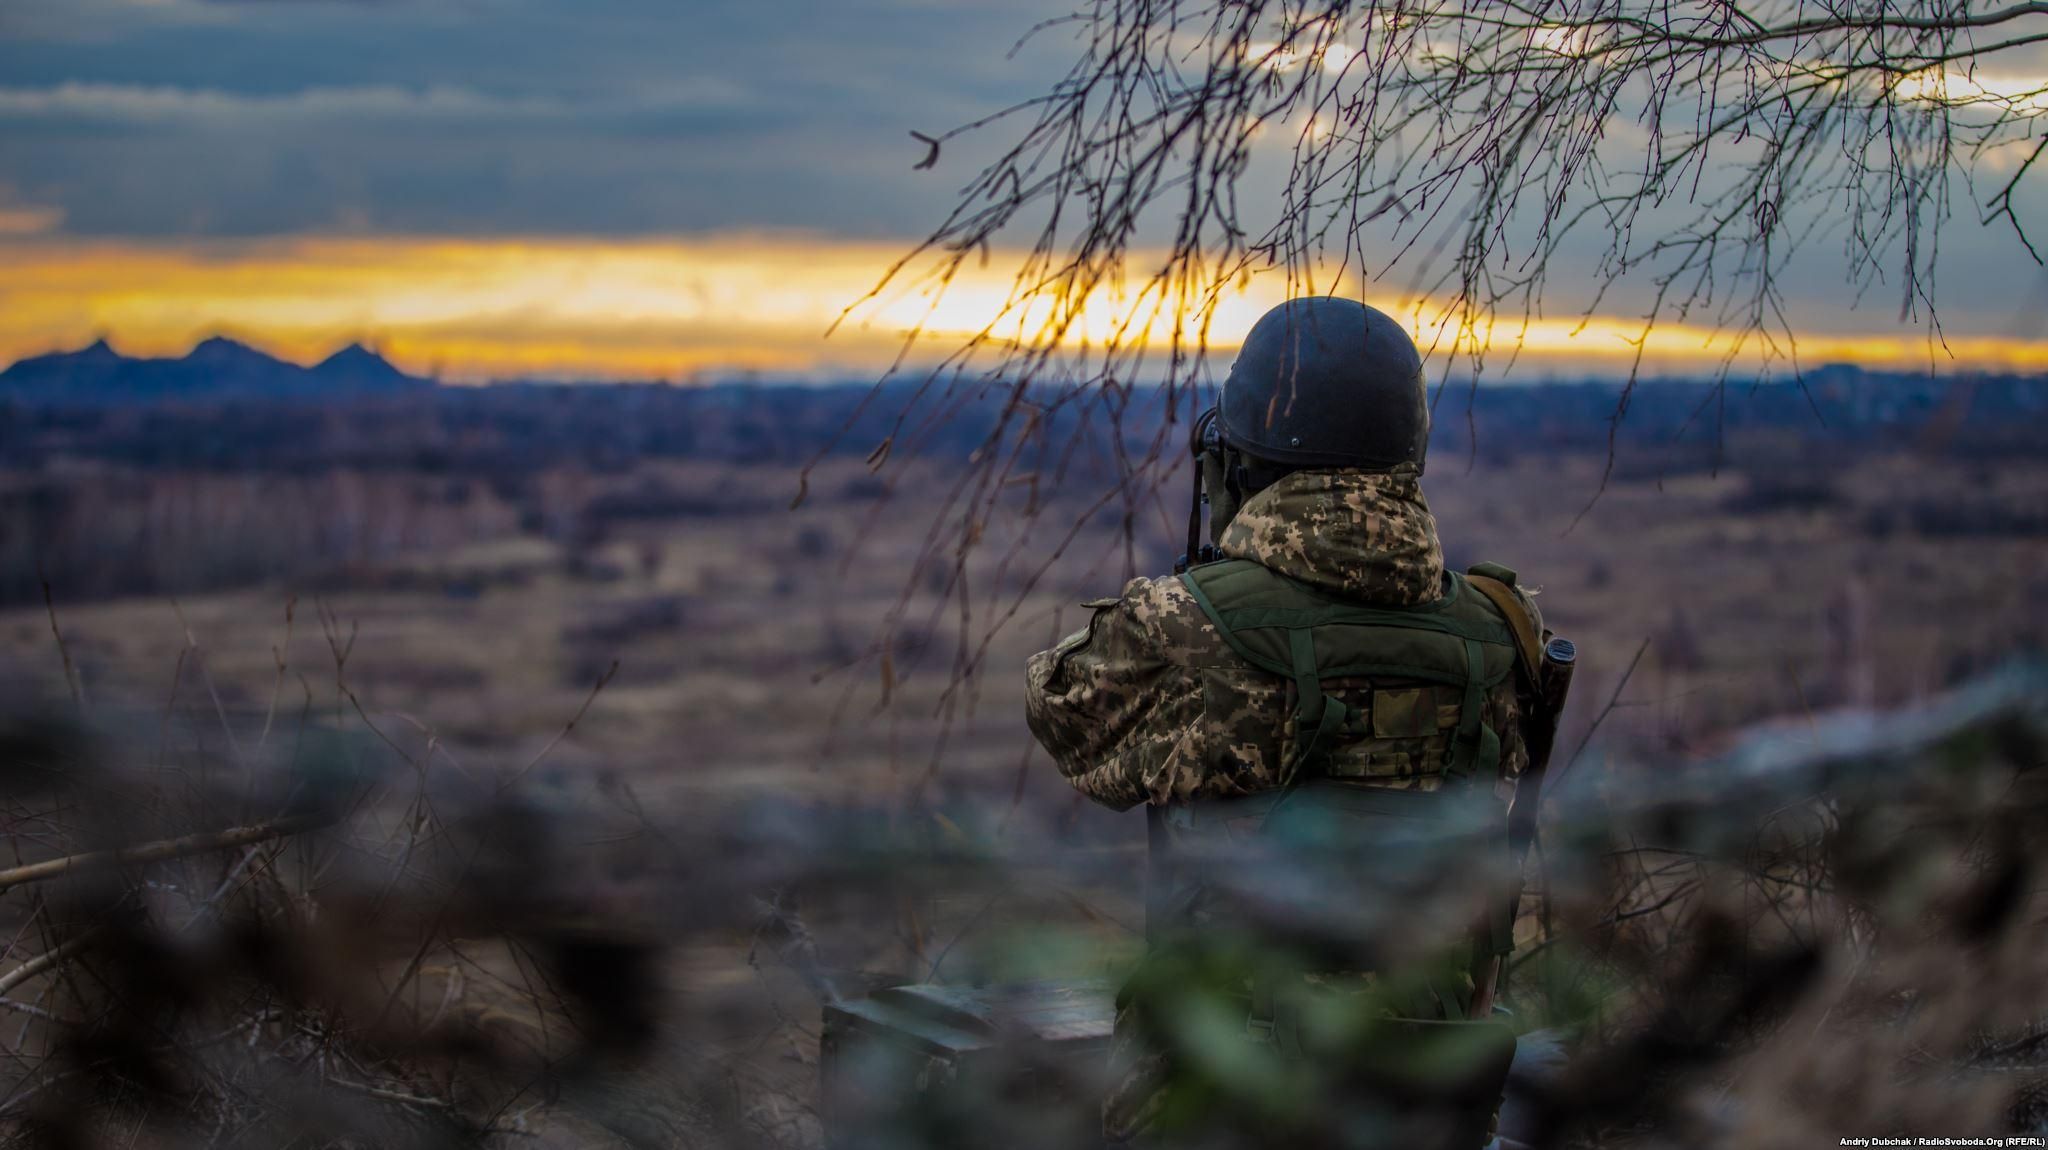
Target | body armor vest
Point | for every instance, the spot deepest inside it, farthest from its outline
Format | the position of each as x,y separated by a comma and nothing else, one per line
1394,696
1390,751
1389,764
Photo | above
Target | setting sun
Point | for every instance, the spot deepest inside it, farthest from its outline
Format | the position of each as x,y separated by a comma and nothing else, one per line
471,310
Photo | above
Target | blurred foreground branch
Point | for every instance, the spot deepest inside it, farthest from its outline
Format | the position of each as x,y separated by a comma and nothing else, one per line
161,850
1837,925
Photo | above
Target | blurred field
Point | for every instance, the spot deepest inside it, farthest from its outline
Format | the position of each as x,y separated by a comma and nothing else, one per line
819,658
748,635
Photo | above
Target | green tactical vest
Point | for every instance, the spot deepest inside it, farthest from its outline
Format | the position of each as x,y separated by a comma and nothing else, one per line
1430,669
1417,680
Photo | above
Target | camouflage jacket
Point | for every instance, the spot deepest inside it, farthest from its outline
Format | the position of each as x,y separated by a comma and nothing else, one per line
1148,704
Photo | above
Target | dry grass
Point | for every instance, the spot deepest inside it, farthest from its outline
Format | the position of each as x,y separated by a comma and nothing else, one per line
481,843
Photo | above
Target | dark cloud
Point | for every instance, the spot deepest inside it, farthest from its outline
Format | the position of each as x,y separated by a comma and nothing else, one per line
173,118
183,117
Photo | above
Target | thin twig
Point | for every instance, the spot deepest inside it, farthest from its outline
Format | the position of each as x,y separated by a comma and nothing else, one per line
1612,701
206,677
63,650
568,727
160,850
47,959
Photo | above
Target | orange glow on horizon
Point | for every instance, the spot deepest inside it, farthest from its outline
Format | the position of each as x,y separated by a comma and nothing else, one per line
473,309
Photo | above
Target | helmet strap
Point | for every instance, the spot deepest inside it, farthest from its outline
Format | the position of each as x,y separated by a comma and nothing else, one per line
1223,476
1218,484
1188,557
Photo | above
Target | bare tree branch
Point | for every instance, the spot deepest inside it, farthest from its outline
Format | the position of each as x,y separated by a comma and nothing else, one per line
1482,168
158,851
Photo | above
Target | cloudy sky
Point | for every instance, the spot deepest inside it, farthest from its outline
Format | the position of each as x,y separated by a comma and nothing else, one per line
634,188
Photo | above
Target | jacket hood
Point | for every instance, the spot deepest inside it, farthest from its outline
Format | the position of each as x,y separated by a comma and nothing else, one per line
1366,535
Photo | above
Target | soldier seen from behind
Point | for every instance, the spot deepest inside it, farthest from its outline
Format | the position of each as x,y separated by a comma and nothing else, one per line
1337,743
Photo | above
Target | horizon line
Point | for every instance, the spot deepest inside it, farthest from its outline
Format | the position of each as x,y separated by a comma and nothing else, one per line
752,377
739,305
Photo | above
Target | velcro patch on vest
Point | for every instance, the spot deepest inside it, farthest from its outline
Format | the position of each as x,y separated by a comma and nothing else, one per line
1407,713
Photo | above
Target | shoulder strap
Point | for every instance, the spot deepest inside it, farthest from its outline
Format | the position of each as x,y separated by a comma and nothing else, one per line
1528,644
1239,595
1197,580
1317,717
1522,816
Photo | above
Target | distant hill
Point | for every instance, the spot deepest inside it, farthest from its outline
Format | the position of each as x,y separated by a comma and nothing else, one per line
217,369
249,410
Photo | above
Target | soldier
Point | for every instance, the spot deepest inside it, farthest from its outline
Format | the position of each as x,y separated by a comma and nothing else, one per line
1328,730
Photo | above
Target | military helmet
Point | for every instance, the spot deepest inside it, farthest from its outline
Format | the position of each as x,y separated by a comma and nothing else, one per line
1327,382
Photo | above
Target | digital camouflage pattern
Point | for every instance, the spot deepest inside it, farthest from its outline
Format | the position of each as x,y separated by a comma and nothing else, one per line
1148,704
1367,536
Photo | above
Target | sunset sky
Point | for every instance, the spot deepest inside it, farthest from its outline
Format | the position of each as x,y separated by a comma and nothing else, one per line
648,189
